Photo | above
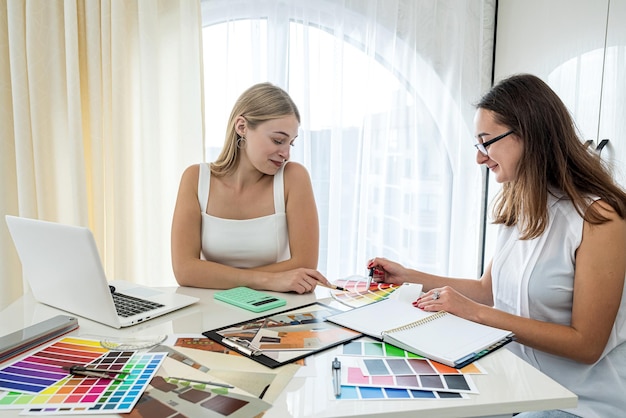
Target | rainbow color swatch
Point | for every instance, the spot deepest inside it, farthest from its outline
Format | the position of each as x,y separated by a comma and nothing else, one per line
357,292
39,384
44,368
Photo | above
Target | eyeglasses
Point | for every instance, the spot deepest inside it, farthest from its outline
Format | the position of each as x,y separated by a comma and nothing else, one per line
482,146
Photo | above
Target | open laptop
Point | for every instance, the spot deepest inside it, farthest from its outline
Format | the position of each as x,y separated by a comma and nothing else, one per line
62,265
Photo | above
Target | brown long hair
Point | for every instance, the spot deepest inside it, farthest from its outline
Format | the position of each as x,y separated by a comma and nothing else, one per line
258,104
553,157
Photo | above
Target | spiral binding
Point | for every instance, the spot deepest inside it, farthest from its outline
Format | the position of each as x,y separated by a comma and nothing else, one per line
416,323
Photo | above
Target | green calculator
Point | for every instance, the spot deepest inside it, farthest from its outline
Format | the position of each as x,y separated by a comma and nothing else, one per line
249,299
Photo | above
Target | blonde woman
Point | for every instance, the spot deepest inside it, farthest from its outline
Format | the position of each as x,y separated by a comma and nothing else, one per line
249,218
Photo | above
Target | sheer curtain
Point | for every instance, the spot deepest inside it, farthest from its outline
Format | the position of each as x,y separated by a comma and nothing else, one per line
385,89
101,112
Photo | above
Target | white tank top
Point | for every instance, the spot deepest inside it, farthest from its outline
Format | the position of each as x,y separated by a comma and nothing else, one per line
246,243
535,279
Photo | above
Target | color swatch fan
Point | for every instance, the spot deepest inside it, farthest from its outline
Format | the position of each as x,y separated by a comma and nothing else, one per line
358,293
40,383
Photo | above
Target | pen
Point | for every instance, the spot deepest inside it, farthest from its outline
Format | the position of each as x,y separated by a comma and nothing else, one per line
93,372
203,382
336,364
370,277
332,286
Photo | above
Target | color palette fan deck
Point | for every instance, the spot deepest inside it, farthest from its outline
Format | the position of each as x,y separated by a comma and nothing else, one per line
39,384
357,292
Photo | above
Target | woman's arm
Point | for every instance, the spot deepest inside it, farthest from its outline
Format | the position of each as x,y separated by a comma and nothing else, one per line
598,286
392,272
190,270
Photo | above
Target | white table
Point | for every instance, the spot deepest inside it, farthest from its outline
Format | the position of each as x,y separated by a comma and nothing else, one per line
510,385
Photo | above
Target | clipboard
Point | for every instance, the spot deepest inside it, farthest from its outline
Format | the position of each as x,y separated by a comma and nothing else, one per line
284,337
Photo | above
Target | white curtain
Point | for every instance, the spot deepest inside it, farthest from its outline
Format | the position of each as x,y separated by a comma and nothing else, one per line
101,111
386,91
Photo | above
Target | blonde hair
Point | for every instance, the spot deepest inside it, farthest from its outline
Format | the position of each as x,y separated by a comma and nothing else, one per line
258,104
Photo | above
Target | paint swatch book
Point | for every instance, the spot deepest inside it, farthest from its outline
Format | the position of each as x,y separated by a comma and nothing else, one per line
439,336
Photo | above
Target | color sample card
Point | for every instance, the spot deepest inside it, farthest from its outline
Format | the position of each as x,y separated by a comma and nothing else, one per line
376,370
381,393
375,349
357,292
178,356
401,373
381,349
205,344
76,394
168,397
37,371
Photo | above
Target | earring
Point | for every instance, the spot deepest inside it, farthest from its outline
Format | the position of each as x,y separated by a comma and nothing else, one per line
241,141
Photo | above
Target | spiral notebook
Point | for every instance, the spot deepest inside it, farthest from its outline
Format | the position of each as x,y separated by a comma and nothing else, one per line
439,336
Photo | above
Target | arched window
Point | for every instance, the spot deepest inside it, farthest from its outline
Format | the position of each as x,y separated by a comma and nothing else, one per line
386,106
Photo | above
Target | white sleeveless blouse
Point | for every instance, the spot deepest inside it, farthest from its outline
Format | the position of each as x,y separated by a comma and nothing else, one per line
246,243
535,279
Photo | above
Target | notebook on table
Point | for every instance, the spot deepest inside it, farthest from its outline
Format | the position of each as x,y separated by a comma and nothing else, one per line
439,336
63,268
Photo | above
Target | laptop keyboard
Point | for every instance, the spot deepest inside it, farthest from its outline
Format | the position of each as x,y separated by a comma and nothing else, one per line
128,306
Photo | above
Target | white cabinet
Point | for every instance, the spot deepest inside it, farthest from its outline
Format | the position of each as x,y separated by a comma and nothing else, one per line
579,48
613,105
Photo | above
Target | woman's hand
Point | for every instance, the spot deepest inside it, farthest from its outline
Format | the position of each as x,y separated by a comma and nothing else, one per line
300,280
386,271
447,299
